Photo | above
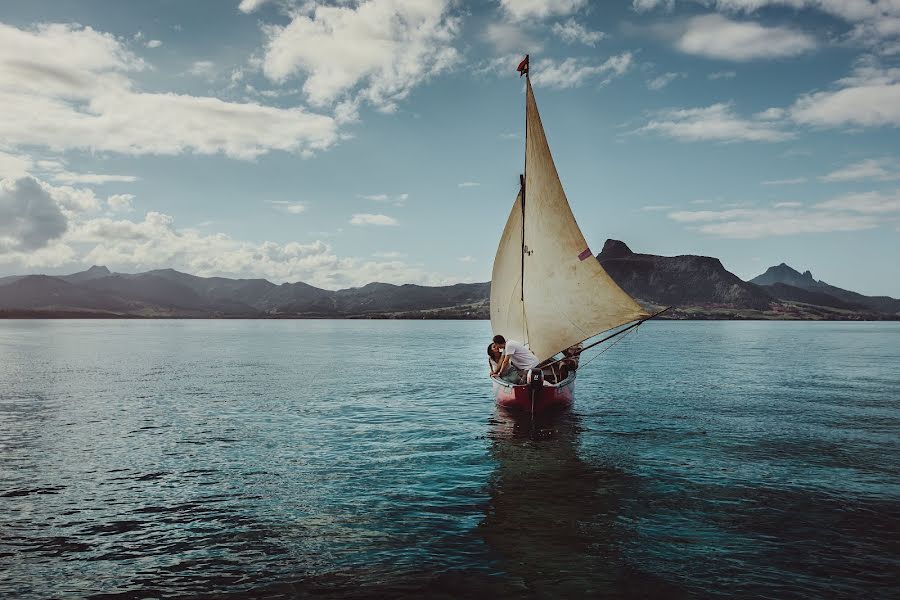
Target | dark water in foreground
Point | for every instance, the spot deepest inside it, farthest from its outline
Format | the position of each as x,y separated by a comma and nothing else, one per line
348,458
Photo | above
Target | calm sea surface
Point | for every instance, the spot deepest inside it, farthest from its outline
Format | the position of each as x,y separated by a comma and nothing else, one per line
237,459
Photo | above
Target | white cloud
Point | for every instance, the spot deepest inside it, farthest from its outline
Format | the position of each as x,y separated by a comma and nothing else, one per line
721,75
249,6
793,181
468,184
715,36
293,208
879,169
771,114
512,41
744,223
369,219
658,83
655,207
851,212
870,97
29,217
717,122
14,166
573,72
153,43
571,31
467,259
384,47
73,201
73,92
120,202
868,203
396,199
203,68
91,178
376,197
874,23
155,242
521,10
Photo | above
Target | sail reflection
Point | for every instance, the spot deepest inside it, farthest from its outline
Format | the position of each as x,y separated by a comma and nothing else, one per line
553,518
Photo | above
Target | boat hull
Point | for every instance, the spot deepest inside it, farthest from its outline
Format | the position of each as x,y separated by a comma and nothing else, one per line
547,398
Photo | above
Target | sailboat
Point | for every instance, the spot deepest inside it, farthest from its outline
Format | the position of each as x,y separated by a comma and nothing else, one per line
548,290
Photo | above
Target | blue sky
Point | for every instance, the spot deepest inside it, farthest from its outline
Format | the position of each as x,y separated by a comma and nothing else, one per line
345,142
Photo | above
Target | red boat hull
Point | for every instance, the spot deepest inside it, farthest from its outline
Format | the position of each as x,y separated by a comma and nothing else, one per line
547,398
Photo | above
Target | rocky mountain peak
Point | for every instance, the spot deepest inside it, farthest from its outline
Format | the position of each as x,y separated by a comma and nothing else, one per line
614,249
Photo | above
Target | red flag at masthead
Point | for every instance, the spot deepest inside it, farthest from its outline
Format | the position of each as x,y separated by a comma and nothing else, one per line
523,67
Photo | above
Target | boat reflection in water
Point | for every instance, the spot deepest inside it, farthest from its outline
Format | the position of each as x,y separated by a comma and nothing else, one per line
553,519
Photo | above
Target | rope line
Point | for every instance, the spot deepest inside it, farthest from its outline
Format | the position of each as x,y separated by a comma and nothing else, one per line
625,335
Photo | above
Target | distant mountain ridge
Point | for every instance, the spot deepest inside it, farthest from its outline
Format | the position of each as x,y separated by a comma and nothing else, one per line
685,280
783,275
697,287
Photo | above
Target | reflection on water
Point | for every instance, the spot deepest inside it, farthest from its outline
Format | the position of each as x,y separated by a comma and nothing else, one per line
552,517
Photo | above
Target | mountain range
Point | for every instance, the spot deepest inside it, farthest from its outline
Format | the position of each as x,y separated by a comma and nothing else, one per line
697,287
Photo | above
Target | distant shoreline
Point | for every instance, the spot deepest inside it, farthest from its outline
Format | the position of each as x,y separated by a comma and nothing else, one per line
40,315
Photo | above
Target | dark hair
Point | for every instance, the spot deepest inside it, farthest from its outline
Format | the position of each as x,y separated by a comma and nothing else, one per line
499,339
491,351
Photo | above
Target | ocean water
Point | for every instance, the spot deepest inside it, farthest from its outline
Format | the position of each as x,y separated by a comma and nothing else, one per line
233,459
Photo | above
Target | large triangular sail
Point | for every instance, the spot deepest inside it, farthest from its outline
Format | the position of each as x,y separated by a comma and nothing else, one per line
566,296
507,306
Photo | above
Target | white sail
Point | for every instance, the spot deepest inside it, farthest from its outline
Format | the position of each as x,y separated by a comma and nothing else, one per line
567,296
507,308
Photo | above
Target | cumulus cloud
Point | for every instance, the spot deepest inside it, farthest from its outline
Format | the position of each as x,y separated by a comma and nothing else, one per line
571,31
573,72
383,47
73,91
370,219
717,122
120,202
540,9
29,216
718,37
14,166
870,97
249,6
153,43
155,242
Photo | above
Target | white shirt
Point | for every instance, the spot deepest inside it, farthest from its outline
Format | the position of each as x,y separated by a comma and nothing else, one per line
520,356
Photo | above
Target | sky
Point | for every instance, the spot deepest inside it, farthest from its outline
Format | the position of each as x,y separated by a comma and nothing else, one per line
344,142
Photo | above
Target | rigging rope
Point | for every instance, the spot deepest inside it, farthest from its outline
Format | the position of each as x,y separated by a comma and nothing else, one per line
625,335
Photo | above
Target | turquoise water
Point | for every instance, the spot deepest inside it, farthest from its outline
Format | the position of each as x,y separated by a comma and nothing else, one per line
366,458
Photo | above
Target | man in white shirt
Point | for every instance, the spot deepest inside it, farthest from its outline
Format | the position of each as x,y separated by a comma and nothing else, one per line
516,354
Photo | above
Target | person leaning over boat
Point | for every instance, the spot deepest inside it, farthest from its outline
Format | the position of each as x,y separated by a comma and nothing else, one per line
515,354
494,358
